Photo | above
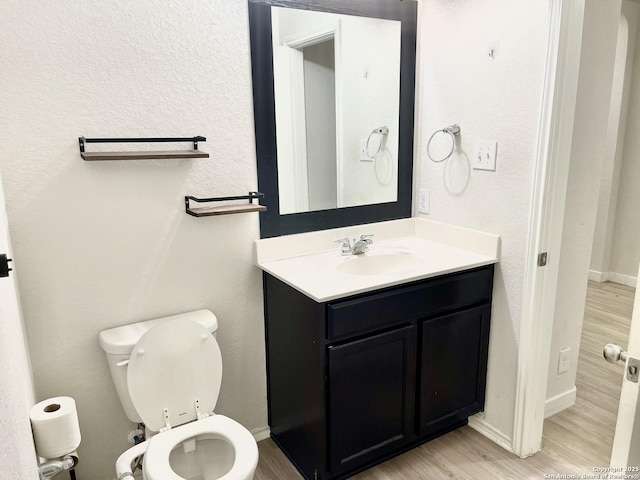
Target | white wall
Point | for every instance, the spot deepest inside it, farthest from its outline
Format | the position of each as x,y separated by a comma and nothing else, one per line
107,243
497,99
625,246
616,130
369,101
589,146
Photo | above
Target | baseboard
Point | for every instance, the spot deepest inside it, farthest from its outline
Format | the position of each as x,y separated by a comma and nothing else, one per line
560,402
478,423
627,280
615,277
261,433
599,277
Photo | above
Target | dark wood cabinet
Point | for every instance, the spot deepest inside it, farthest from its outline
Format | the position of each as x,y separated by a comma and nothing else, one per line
453,367
371,385
354,381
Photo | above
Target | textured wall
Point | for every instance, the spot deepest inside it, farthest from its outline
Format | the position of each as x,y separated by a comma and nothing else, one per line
493,99
108,243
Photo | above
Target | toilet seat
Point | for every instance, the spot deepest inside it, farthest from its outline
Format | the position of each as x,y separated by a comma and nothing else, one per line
174,374
156,464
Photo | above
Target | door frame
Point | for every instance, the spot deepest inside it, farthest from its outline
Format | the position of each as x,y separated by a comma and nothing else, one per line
546,221
290,113
20,459
314,36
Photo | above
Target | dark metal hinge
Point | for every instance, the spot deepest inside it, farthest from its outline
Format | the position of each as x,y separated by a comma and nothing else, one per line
4,265
542,259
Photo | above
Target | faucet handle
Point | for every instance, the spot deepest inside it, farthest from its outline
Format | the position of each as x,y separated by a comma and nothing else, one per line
367,238
346,244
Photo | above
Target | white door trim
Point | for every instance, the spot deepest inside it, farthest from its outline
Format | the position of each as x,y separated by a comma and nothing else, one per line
311,36
339,88
314,36
290,116
547,216
16,385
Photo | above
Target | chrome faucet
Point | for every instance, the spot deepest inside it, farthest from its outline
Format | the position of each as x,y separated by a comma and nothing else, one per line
359,246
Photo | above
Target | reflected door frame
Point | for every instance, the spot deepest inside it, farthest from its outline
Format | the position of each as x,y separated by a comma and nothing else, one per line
291,117
293,45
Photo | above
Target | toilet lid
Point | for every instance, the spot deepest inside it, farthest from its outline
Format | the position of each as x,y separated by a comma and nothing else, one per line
173,365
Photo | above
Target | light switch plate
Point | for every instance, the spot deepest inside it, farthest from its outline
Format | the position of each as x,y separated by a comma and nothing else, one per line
423,200
484,155
564,360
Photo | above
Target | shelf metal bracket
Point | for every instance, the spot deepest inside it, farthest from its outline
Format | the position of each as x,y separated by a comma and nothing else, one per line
202,212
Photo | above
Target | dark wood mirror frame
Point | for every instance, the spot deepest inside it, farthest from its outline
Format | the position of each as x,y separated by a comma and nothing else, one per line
273,224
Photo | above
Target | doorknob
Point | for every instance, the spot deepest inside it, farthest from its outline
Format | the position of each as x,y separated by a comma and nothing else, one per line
4,265
614,353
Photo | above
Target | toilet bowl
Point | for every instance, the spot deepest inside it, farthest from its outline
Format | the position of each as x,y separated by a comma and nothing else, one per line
173,377
233,447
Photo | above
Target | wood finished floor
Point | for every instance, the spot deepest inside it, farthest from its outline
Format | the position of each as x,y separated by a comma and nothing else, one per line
574,440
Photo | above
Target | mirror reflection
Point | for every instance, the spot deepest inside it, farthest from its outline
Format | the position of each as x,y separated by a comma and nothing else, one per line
337,91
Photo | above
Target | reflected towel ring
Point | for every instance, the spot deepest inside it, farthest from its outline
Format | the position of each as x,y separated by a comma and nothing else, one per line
452,131
386,155
383,132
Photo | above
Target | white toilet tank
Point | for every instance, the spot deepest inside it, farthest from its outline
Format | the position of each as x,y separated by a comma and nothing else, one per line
118,344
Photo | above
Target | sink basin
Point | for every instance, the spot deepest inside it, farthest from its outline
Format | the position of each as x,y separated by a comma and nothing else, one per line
403,251
367,264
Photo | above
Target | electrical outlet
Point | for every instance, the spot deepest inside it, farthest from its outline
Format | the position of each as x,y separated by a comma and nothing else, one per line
484,155
423,200
564,361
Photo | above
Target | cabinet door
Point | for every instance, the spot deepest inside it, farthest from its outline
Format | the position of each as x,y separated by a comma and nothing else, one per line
371,397
453,368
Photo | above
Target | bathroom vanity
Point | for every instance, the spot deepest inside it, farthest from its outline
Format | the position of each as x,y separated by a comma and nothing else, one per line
369,356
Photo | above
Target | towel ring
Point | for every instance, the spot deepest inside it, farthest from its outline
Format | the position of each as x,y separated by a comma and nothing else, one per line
382,132
384,181
452,131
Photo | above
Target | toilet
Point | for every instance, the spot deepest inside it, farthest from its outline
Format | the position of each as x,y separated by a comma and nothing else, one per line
167,373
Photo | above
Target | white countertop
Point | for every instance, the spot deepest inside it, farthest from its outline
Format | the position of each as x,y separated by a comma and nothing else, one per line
405,250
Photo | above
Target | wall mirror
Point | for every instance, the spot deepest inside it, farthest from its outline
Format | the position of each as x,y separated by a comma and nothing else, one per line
333,85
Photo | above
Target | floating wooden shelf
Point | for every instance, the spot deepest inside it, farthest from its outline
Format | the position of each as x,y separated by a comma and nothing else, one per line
142,155
224,209
146,155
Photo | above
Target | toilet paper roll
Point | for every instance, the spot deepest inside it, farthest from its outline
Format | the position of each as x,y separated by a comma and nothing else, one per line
55,426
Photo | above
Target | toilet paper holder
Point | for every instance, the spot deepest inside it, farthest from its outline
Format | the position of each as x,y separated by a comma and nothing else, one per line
56,435
51,468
